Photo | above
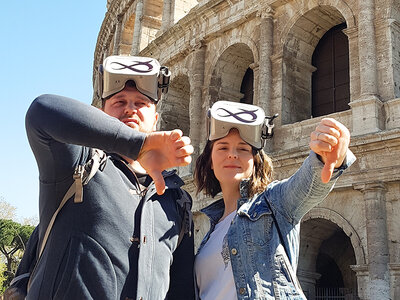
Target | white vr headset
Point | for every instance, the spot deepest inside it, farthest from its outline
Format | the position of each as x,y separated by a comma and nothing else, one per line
151,79
250,120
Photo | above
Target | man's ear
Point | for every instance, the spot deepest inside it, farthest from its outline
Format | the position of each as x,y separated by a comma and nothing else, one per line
155,121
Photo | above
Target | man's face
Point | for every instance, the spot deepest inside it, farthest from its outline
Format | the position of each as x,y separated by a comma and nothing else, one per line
133,109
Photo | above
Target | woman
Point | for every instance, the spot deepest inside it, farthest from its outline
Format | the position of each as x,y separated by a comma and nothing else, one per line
251,250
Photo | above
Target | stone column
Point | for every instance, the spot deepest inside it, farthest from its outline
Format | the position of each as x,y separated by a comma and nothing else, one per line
367,110
362,281
256,74
395,282
367,48
105,53
265,65
137,30
117,35
308,282
166,15
377,241
197,115
354,63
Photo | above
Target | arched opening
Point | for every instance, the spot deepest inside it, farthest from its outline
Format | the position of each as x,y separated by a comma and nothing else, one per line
247,87
297,68
326,254
174,108
232,79
331,80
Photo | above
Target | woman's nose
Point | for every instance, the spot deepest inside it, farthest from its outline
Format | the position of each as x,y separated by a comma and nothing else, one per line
233,154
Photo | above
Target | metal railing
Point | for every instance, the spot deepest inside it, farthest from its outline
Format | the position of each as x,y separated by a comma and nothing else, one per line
335,294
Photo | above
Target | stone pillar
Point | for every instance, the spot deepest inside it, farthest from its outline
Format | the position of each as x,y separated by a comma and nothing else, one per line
367,48
166,15
395,282
256,74
377,241
197,115
137,30
362,281
308,281
265,65
367,110
105,53
117,35
354,63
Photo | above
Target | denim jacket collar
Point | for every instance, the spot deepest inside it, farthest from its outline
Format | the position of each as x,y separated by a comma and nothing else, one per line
216,209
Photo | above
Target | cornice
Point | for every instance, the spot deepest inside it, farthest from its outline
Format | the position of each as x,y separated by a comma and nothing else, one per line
197,17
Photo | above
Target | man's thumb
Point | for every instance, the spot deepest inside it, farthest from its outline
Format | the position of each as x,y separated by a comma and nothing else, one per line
327,172
158,181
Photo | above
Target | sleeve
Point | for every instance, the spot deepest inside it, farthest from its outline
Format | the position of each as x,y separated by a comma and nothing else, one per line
57,128
296,195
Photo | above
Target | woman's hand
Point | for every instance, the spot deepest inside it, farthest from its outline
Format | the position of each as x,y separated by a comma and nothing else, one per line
330,141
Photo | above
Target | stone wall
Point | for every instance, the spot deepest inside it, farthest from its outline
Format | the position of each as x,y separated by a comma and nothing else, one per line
209,46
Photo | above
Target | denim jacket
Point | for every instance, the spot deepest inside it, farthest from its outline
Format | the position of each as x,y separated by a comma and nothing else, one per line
261,267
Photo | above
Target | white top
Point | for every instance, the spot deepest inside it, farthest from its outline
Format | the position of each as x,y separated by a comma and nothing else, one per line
213,267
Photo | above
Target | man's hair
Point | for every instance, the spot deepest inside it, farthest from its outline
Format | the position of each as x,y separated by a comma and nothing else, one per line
129,83
206,181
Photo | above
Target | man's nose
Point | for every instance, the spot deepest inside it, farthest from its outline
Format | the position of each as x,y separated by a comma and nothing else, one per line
130,108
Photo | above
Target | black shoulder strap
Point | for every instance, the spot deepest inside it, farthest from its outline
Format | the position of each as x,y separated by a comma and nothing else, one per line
295,279
277,227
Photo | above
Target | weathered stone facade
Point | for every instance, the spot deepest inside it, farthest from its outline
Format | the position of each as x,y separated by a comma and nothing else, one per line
351,240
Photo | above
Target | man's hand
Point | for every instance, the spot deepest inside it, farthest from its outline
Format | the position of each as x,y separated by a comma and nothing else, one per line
330,141
163,150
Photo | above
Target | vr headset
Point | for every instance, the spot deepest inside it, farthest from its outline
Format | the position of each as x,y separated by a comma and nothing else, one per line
151,79
250,120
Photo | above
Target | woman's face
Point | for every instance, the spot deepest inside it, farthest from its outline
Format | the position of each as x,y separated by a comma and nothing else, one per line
232,159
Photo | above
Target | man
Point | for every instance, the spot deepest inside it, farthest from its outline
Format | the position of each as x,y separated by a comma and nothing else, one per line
130,236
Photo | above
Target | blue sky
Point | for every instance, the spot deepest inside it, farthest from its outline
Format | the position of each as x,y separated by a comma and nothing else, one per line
46,46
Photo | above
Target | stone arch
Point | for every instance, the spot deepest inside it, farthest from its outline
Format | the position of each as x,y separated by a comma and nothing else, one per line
224,43
348,229
340,6
329,247
174,107
227,74
302,34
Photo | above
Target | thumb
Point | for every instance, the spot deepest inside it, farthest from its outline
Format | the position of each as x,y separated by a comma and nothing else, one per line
327,171
158,181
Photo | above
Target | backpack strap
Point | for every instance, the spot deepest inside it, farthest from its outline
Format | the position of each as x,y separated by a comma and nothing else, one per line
185,202
83,173
81,176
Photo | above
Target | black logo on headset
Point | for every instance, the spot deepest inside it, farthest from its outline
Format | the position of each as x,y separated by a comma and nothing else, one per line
135,64
251,113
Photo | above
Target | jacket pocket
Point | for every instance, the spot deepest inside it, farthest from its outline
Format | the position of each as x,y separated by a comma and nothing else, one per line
85,272
284,282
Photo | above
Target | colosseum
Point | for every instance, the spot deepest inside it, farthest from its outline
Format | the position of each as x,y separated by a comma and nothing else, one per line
303,59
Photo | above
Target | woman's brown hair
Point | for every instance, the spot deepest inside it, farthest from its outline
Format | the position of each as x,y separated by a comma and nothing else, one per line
206,181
